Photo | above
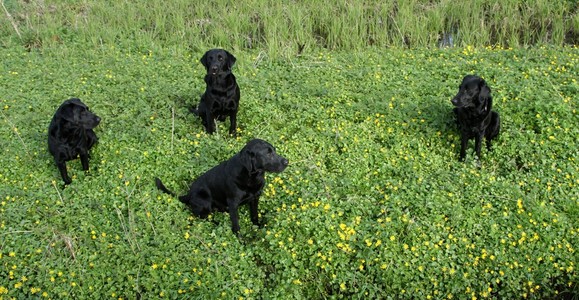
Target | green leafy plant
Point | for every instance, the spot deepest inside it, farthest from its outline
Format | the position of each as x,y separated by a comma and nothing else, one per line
374,203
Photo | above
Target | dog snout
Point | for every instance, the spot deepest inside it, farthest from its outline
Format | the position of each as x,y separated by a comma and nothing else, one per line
283,163
458,100
454,101
214,69
95,121
278,165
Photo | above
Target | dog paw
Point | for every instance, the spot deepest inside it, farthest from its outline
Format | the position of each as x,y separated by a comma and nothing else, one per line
257,224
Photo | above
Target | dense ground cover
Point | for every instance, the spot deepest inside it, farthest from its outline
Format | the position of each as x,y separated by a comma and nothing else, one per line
285,28
373,204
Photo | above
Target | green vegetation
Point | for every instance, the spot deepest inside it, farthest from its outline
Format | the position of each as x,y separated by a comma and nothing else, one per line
283,27
374,203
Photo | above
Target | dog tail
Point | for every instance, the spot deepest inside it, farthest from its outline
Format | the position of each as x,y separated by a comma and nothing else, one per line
162,187
194,110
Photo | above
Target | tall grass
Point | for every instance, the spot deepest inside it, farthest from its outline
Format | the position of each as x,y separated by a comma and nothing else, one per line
287,27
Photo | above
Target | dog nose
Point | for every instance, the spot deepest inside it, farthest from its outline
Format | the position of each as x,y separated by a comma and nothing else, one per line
285,162
454,101
98,119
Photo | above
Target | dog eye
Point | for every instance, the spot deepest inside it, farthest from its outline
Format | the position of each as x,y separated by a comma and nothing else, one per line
220,58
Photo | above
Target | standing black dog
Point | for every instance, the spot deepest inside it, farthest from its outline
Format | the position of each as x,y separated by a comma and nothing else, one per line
232,183
474,116
71,134
221,97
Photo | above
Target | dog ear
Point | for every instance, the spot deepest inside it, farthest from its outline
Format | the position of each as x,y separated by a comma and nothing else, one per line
71,111
230,59
248,159
67,112
77,102
203,60
485,92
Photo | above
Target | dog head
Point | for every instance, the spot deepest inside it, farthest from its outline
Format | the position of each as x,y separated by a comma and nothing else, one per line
472,92
217,61
78,114
259,156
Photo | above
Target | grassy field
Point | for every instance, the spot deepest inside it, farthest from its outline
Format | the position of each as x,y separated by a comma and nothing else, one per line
287,28
374,203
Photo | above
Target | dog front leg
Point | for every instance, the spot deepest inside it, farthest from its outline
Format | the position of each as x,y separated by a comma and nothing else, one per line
477,144
234,216
489,145
209,122
463,144
62,168
84,161
233,123
253,211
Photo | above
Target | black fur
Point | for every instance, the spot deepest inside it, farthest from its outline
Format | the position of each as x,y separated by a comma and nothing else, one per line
71,134
474,115
239,180
221,97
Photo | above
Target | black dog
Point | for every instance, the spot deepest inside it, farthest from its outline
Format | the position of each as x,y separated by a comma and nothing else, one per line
474,116
232,183
221,97
71,134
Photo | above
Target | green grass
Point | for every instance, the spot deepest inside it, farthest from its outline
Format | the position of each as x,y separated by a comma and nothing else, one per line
280,28
374,202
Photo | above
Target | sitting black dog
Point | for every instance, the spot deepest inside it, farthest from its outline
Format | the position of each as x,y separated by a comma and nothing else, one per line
221,97
234,182
71,134
474,116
